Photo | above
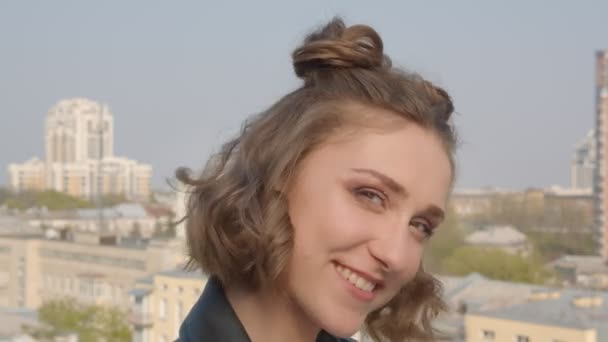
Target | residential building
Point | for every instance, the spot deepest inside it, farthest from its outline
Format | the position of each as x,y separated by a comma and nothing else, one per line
601,143
582,271
470,202
475,292
125,219
553,315
484,310
30,175
161,301
89,267
80,160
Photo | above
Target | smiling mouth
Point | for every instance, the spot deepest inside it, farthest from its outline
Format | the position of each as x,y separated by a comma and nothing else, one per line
355,279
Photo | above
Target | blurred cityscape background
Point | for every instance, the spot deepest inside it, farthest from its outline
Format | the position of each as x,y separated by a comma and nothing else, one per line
91,245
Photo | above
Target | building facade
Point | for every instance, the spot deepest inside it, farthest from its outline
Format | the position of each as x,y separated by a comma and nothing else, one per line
161,302
80,160
77,130
601,126
34,269
553,315
30,175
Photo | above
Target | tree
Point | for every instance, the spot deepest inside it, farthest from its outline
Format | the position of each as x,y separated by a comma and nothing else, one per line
4,194
447,238
92,323
110,200
50,199
496,264
551,246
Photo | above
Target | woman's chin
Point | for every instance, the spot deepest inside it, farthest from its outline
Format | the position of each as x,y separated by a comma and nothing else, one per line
343,327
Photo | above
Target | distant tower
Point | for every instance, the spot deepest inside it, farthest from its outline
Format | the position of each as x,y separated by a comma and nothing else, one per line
601,126
73,128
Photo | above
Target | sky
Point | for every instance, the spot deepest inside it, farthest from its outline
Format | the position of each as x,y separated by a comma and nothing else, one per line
181,76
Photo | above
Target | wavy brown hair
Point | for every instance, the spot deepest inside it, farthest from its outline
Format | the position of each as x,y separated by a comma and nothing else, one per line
237,222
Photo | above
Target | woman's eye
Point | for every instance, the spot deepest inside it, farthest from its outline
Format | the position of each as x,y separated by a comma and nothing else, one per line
372,196
424,228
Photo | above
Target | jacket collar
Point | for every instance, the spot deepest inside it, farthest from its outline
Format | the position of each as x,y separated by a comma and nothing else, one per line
212,318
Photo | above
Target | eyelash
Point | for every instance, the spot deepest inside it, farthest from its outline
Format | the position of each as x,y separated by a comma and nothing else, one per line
427,228
366,192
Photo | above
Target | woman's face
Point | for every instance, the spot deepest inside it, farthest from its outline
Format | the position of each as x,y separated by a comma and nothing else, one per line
363,205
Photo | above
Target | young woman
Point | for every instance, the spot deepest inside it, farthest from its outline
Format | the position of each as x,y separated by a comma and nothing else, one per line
312,222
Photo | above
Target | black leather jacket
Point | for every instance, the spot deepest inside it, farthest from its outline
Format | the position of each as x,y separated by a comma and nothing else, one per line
213,319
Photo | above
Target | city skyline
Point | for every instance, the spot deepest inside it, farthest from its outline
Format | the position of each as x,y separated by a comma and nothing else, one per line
79,156
521,75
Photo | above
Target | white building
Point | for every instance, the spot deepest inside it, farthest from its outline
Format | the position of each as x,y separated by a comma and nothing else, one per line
80,160
74,129
506,238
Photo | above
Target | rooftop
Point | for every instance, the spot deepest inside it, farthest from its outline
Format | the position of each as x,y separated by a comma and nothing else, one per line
497,235
585,264
181,273
480,293
560,312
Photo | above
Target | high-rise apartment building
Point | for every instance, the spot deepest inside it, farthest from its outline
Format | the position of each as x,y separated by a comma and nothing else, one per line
80,160
78,130
601,124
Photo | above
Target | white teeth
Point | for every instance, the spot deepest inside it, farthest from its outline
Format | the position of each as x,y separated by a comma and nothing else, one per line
353,278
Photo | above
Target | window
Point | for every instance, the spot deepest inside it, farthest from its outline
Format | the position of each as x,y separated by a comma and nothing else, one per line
488,335
180,311
162,309
522,338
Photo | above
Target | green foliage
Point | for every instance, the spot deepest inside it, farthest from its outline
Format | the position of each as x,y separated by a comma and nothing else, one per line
92,323
530,215
50,199
53,200
554,227
111,200
4,194
446,239
551,246
496,264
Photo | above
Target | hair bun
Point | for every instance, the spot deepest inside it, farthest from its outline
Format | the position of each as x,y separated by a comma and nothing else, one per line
338,46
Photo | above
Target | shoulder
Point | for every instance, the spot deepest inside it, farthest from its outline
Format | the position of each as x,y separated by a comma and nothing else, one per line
212,318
